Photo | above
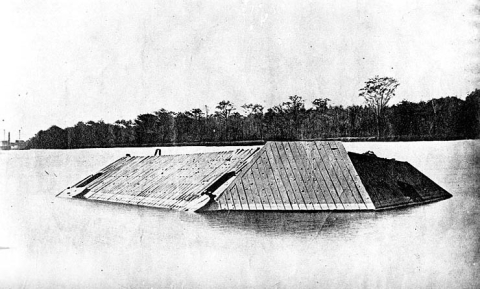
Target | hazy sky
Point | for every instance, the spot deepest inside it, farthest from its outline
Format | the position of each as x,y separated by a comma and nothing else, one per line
67,61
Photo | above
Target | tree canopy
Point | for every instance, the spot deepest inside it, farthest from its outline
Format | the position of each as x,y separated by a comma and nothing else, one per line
378,91
438,118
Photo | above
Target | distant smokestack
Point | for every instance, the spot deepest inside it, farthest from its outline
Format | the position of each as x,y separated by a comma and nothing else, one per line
8,137
19,138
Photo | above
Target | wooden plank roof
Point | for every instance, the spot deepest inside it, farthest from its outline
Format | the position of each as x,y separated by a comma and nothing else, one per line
301,175
169,181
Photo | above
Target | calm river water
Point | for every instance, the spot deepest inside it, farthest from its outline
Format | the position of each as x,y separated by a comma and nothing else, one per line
47,242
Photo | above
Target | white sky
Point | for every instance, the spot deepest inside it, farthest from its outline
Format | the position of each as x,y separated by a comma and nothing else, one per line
67,61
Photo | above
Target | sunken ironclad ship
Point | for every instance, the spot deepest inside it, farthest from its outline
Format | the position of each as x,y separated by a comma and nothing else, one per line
290,176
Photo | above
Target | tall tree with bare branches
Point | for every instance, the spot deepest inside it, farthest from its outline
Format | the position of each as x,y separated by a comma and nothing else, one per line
377,92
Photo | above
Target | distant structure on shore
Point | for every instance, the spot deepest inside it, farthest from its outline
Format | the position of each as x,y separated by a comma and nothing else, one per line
19,144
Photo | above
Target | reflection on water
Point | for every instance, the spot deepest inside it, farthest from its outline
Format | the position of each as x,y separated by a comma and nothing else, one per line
47,242
276,223
299,223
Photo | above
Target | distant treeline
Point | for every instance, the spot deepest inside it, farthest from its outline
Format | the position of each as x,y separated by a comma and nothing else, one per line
437,119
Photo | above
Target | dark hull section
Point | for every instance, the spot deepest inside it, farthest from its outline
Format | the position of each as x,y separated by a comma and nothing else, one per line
392,183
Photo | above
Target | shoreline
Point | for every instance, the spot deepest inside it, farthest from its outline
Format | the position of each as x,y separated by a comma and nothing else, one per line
262,142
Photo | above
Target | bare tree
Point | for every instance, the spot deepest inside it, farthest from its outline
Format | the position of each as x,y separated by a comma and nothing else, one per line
377,92
224,107
295,104
251,108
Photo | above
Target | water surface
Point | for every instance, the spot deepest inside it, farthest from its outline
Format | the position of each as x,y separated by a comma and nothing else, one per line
46,242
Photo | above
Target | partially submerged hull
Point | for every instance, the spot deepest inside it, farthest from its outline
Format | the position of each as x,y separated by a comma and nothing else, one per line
279,176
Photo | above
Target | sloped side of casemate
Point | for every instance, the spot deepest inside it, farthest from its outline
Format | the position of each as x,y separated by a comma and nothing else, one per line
393,184
303,175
